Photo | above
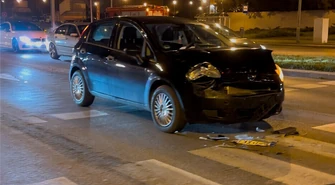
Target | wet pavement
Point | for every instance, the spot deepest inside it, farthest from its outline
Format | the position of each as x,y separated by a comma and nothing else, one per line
47,139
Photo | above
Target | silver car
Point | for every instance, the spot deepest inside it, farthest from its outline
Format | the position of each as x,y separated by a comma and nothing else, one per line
64,38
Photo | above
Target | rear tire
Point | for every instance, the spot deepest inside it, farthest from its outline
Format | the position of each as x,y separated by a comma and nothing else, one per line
53,51
166,110
79,91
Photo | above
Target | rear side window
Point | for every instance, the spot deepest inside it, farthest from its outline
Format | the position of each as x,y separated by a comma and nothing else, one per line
72,29
101,34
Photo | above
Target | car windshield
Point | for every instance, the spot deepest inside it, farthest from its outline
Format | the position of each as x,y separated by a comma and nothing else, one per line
225,31
81,28
184,36
25,26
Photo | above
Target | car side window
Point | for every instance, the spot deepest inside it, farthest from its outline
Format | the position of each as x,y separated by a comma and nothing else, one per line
101,34
71,29
130,39
4,26
61,30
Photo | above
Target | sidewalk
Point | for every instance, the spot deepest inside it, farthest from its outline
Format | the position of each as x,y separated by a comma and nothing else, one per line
292,42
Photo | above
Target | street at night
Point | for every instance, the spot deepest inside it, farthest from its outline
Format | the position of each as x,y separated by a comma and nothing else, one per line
47,139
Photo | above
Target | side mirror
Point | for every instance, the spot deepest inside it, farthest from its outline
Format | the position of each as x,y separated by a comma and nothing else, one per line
140,60
74,35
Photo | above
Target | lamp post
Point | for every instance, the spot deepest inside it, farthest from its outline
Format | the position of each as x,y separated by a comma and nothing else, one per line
97,4
299,21
174,7
191,3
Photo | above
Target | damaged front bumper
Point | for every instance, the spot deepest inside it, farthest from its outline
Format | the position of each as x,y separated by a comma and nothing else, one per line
234,105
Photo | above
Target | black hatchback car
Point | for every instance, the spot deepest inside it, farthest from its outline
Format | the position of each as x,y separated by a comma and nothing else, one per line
182,71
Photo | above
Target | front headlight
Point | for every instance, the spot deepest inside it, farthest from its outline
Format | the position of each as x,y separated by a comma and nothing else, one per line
24,39
279,71
204,69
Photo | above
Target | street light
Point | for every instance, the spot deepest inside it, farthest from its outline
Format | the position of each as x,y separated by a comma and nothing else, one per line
191,2
200,8
145,4
174,7
44,1
98,10
2,1
19,1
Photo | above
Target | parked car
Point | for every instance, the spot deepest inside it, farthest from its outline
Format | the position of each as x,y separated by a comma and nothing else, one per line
63,39
179,70
21,35
235,38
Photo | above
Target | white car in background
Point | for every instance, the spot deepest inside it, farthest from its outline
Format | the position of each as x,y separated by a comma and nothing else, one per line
64,38
20,35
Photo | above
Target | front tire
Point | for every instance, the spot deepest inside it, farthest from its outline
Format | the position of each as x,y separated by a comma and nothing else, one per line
166,110
53,51
79,91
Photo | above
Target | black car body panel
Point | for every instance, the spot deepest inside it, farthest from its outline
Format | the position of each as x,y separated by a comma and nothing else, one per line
248,88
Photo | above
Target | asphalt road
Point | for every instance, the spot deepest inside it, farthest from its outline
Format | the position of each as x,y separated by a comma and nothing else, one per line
46,139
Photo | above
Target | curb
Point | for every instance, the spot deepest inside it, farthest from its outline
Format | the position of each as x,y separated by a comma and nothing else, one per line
301,45
309,74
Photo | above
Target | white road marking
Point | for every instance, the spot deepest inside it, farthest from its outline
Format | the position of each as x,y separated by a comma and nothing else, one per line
153,172
308,86
33,119
56,181
328,127
306,144
264,166
79,115
290,89
328,82
8,77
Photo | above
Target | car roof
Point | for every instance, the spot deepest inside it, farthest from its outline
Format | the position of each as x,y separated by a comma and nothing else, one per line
77,23
156,19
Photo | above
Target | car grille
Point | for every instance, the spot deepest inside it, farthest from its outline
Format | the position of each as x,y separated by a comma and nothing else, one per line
37,40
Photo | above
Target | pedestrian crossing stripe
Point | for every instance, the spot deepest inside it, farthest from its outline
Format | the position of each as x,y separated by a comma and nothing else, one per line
264,166
306,144
327,127
156,172
308,86
328,82
79,115
56,181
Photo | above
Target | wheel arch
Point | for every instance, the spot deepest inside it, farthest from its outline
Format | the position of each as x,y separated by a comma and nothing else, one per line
157,83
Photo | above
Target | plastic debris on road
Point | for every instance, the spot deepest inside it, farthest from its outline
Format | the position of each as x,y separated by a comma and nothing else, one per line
214,138
259,130
287,131
244,137
254,142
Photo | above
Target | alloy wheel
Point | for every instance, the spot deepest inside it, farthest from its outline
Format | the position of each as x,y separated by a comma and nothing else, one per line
163,110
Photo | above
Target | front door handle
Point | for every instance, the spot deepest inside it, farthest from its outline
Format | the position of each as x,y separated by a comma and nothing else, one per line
110,58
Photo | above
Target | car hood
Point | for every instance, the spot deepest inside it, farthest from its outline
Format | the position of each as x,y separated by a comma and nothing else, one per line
244,42
234,59
31,34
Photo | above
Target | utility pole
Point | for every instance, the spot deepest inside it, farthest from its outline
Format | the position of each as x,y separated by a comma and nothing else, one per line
299,21
53,14
111,3
91,9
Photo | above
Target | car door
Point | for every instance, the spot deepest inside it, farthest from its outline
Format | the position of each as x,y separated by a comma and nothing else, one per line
131,75
71,37
60,39
5,37
99,56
